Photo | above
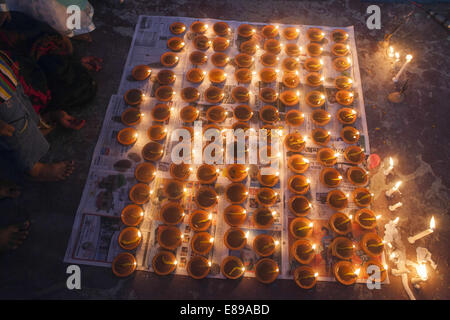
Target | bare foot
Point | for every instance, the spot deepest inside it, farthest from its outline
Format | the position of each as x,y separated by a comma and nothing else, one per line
13,236
9,190
52,171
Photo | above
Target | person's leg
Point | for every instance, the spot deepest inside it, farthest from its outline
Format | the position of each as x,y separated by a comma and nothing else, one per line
13,236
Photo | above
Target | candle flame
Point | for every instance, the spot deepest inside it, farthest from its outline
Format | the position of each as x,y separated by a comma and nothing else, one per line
397,185
391,162
313,246
247,234
396,220
209,263
139,234
211,240
432,223
316,275
422,271
357,272
277,242
409,57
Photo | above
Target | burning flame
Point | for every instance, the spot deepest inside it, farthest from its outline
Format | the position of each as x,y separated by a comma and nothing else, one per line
422,271
432,223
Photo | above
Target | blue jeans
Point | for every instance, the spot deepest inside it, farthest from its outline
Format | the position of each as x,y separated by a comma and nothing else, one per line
27,144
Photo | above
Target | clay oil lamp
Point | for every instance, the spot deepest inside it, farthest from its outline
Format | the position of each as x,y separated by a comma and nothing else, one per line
342,63
175,44
343,82
172,213
303,251
177,28
347,115
214,94
219,59
248,47
165,77
290,33
263,218
290,64
269,31
130,238
362,197
243,60
266,270
123,264
169,59
301,227
269,114
199,27
216,114
235,239
372,244
127,136
200,220
180,171
141,72
292,50
169,237
236,193
340,49
189,114
290,98
299,205
240,94
315,99
133,97
382,268
242,113
140,193
339,35
313,64
266,197
297,163
246,30
320,117
354,154
291,80
269,59
294,142
156,132
314,79
265,245
240,125
201,42
131,117
340,223
315,34
243,75
132,215
207,174
321,136
221,28
330,177
342,248
164,93
174,189
164,263
220,44
268,75
268,95
314,49
327,157
236,172
272,46
234,215
298,184
232,267
366,219
357,176
195,75
350,134
268,180
198,58
160,112
344,97
198,267
336,199
206,197
145,172
305,277
202,243
190,94
345,272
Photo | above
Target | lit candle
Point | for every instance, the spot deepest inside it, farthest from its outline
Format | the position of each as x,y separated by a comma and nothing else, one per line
390,192
421,272
391,166
391,52
395,206
423,233
408,60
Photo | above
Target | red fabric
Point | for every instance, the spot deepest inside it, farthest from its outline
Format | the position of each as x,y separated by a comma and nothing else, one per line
38,99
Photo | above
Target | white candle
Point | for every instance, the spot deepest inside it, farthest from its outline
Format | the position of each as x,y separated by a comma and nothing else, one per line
423,233
390,192
408,60
391,166
395,206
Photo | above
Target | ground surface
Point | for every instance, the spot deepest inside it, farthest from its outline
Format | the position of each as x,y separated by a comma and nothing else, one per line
415,133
